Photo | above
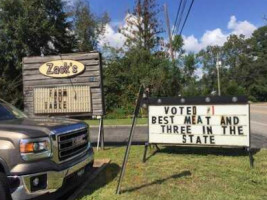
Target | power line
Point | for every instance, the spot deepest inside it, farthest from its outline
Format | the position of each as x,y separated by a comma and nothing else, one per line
176,18
192,2
181,14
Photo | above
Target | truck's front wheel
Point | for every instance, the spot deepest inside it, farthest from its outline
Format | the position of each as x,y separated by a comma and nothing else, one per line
4,191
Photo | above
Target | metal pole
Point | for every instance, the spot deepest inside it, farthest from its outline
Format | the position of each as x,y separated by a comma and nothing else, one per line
251,159
169,30
136,112
145,152
99,134
102,138
218,64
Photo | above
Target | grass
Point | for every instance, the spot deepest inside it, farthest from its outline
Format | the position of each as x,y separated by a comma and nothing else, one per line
181,173
127,121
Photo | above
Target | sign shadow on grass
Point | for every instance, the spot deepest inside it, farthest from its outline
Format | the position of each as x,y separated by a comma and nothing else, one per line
202,151
159,181
104,178
206,151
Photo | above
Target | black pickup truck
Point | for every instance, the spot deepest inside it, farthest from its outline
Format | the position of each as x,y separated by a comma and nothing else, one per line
38,156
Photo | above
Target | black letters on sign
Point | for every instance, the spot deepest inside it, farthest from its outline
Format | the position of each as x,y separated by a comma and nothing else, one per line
193,127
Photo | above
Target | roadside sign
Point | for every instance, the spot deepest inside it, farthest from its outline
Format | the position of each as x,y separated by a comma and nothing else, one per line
65,85
201,121
213,125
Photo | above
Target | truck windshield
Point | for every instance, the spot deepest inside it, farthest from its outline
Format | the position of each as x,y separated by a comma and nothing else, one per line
8,112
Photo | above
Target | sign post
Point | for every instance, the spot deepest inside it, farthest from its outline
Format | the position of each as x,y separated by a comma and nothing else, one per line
136,112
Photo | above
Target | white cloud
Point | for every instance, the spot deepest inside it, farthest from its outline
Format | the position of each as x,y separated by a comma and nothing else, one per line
199,73
191,44
241,27
217,36
214,37
111,38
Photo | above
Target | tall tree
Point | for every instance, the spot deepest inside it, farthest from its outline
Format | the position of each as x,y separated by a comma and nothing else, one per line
142,26
257,80
244,66
143,61
88,27
29,28
208,57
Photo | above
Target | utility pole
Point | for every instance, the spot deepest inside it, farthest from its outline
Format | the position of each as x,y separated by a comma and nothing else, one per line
168,29
218,65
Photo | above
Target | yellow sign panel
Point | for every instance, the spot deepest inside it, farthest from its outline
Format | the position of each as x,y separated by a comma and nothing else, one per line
65,99
62,68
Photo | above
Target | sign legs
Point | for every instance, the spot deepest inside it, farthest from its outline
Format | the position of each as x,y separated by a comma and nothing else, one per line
251,159
100,138
157,147
136,112
146,147
145,152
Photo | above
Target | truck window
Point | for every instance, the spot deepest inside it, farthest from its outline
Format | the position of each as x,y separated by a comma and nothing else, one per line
5,114
8,112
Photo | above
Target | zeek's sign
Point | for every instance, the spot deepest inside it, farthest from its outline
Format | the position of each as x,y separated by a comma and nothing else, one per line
61,68
215,125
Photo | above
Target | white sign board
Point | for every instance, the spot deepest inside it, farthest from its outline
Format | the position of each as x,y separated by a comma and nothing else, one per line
215,125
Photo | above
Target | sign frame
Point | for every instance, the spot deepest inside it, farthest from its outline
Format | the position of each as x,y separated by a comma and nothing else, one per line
58,87
209,100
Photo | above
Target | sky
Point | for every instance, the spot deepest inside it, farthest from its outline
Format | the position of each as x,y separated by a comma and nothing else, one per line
209,22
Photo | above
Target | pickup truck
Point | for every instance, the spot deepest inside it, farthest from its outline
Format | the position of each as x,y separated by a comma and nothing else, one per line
39,156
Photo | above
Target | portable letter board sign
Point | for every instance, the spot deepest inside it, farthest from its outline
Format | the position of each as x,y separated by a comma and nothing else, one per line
216,121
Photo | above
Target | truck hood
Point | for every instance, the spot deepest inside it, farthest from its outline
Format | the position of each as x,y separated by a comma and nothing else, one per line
41,127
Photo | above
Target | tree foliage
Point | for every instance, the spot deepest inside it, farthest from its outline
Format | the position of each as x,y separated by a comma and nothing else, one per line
244,66
29,28
142,62
87,26
143,27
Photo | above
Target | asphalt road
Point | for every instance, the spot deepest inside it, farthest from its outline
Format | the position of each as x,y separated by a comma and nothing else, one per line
116,135
258,121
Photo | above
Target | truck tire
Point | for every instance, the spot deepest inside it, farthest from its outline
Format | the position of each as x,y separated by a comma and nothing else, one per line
4,190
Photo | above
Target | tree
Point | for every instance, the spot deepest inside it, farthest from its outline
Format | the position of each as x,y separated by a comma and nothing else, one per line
143,61
257,80
189,79
207,58
88,27
143,27
189,67
177,45
29,28
124,75
244,69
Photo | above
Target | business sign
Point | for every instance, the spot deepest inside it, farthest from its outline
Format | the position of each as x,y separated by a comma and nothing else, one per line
64,99
61,68
212,125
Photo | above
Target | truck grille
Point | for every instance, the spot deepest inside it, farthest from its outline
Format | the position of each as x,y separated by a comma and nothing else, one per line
72,144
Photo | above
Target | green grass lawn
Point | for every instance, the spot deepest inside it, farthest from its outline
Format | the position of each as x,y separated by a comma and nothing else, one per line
127,121
181,173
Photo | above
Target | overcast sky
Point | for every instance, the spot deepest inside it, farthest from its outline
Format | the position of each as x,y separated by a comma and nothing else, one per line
209,23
